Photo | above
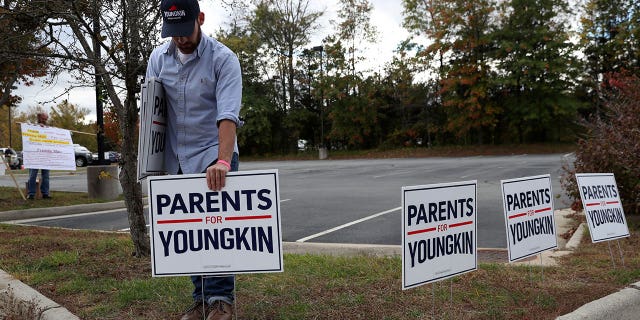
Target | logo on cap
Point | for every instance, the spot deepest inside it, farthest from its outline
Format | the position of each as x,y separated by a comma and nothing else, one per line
174,13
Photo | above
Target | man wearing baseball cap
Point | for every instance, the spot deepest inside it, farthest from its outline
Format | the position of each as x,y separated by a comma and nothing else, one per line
203,90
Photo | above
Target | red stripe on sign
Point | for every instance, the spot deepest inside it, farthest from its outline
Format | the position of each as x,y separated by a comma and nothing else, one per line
179,221
247,218
517,215
410,233
593,204
453,225
612,202
159,123
543,210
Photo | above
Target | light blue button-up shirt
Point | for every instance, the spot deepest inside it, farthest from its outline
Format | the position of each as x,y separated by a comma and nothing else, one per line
199,93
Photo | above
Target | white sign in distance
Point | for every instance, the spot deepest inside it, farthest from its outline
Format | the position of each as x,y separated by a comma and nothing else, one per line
439,232
602,206
196,231
528,215
47,148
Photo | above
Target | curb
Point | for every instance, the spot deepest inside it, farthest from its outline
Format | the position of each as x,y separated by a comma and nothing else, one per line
52,212
576,238
56,211
621,305
27,299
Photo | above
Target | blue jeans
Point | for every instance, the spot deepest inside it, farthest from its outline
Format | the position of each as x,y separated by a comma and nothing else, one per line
216,288
44,182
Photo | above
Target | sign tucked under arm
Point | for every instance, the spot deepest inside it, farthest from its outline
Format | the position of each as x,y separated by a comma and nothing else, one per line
196,231
439,232
153,123
47,148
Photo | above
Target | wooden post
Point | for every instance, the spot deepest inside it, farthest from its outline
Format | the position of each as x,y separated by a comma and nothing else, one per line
4,162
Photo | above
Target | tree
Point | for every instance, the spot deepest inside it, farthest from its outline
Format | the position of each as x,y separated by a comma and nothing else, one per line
76,32
355,30
20,36
408,109
284,27
16,69
611,142
536,70
352,109
609,36
68,116
259,111
112,131
460,32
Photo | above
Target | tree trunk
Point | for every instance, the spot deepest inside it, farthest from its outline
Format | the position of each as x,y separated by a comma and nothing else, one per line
129,123
130,187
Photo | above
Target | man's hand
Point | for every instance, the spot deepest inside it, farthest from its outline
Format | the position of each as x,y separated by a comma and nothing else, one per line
216,176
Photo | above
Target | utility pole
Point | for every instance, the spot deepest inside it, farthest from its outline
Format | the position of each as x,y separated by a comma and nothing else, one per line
98,81
323,149
10,125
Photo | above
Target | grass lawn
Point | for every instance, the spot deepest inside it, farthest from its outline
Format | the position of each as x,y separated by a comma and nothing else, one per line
10,199
95,276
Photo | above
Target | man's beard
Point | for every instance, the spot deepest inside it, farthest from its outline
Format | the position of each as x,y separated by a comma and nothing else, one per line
189,47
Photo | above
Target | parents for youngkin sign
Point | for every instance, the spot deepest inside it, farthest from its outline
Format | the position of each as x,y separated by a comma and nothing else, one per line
528,210
196,231
439,232
602,206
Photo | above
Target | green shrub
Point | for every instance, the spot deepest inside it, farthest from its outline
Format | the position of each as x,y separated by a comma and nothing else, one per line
612,143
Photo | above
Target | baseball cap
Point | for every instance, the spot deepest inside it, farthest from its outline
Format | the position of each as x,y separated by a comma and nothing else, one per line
178,17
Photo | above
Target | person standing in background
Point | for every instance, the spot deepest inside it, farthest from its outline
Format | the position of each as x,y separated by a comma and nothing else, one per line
43,117
202,81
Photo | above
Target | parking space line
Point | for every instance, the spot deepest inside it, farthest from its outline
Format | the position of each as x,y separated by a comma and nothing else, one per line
347,224
24,221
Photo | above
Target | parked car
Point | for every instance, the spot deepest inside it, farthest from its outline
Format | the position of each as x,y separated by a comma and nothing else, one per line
83,155
109,157
11,157
114,156
20,158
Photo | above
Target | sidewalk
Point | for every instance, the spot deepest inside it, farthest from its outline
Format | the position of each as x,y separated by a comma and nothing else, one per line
622,305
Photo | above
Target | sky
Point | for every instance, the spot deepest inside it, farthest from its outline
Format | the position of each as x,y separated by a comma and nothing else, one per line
386,16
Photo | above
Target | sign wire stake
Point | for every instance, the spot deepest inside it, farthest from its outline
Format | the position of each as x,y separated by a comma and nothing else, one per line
235,299
611,254
621,253
541,267
433,300
204,310
451,290
530,275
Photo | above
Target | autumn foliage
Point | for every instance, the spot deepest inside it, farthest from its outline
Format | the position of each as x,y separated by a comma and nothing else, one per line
612,142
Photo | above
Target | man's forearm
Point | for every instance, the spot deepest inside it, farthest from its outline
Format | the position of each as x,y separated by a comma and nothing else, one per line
227,139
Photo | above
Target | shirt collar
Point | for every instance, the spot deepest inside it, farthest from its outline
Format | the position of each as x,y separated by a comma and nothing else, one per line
171,48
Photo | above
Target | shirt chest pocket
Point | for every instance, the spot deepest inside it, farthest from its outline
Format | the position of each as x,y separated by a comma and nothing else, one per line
208,87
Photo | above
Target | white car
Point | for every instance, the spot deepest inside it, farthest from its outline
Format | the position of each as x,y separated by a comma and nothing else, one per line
83,155
11,157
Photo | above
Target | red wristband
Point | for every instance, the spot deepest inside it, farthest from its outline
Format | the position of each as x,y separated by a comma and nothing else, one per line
226,164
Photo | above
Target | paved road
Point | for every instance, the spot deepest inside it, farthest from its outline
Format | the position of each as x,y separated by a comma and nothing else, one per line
358,201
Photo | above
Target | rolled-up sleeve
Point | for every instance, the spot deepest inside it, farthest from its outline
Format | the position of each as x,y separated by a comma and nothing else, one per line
229,89
152,64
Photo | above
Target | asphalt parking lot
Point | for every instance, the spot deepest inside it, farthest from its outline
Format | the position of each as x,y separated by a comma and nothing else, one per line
358,201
